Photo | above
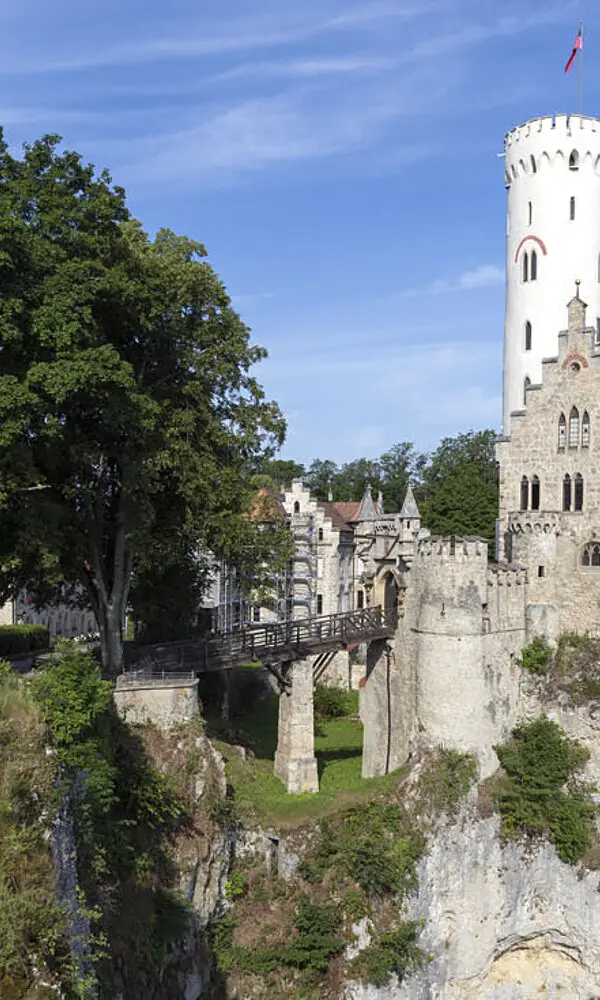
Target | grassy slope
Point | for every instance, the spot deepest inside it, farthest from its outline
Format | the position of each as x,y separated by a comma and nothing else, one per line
259,795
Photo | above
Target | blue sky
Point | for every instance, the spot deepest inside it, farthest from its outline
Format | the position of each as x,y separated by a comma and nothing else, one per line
337,158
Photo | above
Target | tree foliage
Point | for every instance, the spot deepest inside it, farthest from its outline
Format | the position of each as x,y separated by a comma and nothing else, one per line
128,410
459,487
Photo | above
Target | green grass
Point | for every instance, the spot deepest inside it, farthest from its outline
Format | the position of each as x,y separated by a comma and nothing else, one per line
258,794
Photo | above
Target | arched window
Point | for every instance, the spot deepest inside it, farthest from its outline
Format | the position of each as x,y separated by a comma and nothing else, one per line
530,212
320,534
574,428
590,555
585,430
567,492
562,431
572,209
574,160
526,385
533,265
535,493
297,507
528,336
524,493
578,492
525,267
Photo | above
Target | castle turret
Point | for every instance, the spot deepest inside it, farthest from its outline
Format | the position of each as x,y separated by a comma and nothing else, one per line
552,173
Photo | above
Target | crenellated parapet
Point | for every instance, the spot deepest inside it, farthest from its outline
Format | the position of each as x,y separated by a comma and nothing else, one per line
451,550
506,575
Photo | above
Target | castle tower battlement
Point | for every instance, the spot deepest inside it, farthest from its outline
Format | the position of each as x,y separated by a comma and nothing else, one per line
552,174
440,549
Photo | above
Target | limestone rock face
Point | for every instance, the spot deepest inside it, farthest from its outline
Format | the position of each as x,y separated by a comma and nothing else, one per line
501,922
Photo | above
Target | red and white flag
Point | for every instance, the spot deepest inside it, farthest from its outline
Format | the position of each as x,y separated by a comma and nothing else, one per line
578,45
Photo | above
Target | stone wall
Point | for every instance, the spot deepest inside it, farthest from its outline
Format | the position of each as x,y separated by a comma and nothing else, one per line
163,703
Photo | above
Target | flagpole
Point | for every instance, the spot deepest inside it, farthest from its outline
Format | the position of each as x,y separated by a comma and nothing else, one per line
580,86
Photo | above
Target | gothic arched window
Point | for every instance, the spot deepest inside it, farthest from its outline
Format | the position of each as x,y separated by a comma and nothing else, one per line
578,491
528,332
525,267
533,265
297,507
574,160
526,385
585,430
562,431
567,492
590,555
535,493
574,428
524,493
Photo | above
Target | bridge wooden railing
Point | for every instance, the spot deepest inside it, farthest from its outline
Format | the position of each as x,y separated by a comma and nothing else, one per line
266,641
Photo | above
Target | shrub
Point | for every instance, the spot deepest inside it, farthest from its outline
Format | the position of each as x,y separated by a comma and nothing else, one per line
333,702
537,656
539,794
15,639
395,952
445,780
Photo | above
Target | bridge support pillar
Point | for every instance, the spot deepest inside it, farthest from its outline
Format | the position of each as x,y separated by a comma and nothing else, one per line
295,761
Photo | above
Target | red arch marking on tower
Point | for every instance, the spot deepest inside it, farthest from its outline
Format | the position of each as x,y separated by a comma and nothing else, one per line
535,239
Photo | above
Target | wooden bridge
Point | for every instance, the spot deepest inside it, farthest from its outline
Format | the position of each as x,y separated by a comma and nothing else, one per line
269,643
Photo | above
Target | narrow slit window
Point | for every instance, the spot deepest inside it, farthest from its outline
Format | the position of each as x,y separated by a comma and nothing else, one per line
533,265
533,164
574,428
562,431
319,604
529,212
528,332
526,385
567,492
524,493
572,208
320,534
585,430
574,160
525,267
578,492
535,493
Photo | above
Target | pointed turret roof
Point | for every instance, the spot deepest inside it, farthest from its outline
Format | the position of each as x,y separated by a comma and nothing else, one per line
367,510
409,507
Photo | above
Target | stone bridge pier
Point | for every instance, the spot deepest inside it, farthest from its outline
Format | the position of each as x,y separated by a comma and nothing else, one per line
295,761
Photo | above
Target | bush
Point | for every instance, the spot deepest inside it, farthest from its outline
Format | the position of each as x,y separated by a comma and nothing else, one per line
395,952
445,780
537,656
333,702
540,794
15,639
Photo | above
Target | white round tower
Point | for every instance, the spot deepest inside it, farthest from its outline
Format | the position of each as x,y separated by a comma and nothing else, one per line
552,172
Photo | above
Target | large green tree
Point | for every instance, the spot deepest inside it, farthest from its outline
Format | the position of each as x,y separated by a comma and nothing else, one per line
459,490
128,410
401,465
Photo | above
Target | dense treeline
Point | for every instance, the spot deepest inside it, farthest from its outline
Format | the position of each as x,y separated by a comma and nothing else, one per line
456,486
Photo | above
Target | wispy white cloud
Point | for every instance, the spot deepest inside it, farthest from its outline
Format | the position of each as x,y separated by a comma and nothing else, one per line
483,276
307,68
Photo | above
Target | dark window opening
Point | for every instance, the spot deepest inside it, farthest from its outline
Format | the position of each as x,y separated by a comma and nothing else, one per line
578,492
320,534
526,385
562,431
528,336
533,265
535,493
524,493
541,571
591,555
530,212
585,430
297,507
525,267
319,604
360,600
567,492
533,164
256,614
572,209
574,160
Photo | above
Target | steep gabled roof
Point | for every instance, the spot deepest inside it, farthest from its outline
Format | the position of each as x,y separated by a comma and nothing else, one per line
409,507
337,519
348,509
